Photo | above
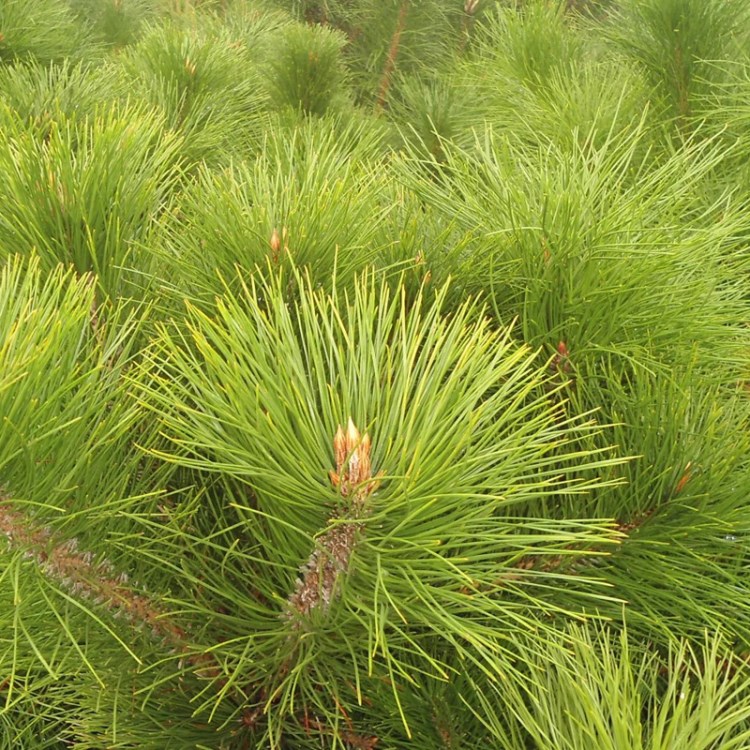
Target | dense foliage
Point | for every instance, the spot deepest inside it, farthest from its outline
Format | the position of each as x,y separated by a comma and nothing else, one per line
374,374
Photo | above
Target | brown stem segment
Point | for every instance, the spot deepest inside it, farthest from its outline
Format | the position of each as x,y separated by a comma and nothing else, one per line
64,563
390,60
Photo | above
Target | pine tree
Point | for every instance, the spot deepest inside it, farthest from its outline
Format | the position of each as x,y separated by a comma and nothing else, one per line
374,375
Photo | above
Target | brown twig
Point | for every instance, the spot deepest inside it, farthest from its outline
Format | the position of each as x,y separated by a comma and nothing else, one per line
390,60
63,562
530,564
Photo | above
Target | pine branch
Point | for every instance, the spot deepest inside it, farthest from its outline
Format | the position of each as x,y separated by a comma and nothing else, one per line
77,571
578,557
66,565
317,587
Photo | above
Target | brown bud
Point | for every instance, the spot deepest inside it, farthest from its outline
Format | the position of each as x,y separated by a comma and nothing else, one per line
275,244
352,436
687,474
364,459
352,448
339,450
561,361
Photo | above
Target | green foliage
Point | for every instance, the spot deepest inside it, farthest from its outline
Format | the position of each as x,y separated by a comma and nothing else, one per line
390,38
533,44
116,23
678,42
42,94
533,75
462,439
42,30
695,697
432,110
646,322
85,193
592,248
204,83
313,187
66,417
305,71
